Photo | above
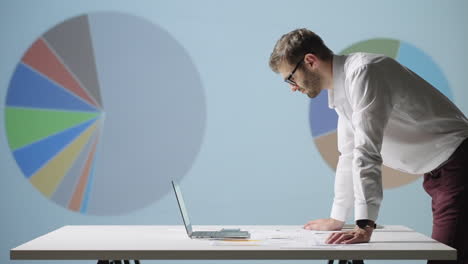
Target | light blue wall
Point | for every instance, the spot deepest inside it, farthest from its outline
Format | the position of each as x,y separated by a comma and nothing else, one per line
257,163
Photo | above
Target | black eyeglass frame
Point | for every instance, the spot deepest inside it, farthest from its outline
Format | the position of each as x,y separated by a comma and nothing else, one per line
288,79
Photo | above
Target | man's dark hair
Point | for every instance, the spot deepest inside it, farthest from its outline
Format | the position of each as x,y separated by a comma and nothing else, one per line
292,47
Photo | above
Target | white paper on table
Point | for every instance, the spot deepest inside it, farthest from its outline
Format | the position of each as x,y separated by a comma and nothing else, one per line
322,246
275,238
298,239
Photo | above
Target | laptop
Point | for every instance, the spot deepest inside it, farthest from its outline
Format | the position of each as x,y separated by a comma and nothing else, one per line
221,234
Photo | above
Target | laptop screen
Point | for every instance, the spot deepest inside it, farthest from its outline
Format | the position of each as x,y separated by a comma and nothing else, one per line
183,209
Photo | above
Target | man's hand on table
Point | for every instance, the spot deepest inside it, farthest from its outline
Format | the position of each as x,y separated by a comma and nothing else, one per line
358,235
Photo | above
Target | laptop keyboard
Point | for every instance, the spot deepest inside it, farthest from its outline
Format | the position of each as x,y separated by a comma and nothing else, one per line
206,233
216,234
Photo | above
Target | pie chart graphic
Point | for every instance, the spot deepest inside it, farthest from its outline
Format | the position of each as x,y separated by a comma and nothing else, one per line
102,111
323,120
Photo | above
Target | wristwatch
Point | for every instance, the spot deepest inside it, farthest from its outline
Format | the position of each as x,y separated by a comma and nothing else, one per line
366,223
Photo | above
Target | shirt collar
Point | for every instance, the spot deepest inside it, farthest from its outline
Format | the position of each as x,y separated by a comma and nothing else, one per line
336,94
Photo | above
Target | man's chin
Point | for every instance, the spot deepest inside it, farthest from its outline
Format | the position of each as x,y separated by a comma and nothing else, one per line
313,94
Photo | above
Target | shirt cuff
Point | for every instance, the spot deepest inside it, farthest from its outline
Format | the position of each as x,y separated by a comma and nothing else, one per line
369,212
340,213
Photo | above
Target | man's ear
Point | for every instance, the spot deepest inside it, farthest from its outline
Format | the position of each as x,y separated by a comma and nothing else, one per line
311,60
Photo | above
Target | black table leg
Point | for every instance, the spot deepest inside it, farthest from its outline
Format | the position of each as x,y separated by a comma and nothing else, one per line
347,261
117,261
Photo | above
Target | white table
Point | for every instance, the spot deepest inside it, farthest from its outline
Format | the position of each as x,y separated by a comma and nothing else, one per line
171,242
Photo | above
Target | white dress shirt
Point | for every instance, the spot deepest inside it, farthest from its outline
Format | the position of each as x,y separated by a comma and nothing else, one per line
386,113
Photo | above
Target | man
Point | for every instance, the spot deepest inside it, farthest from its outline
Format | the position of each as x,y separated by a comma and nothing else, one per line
386,113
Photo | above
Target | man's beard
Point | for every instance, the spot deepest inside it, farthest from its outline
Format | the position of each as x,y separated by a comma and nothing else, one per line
312,84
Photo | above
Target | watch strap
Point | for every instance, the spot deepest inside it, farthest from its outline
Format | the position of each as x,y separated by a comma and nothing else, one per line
366,223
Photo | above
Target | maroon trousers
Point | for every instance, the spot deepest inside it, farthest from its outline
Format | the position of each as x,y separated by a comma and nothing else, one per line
448,188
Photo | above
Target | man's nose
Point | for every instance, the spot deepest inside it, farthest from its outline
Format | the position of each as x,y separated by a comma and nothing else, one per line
294,87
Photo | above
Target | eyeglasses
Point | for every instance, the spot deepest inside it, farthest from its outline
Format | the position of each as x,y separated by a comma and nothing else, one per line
289,78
